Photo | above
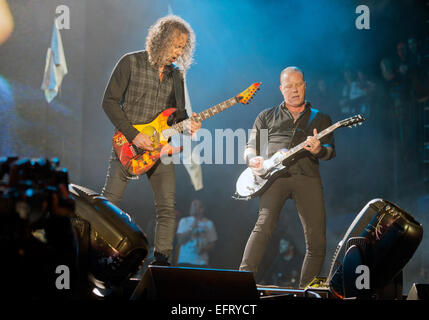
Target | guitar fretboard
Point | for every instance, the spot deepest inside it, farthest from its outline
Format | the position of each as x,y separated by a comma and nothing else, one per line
203,115
349,122
300,146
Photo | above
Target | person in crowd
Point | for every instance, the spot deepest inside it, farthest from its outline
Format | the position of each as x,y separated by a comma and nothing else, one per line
196,236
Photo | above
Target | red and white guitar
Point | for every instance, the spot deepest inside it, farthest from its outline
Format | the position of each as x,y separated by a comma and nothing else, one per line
138,161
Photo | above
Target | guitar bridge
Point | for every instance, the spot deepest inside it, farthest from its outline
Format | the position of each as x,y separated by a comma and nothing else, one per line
133,150
236,196
136,150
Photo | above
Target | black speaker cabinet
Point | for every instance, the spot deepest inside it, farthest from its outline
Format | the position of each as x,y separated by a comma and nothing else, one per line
195,284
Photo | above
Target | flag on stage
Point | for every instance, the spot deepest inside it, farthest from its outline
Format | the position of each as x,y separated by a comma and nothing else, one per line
55,66
193,168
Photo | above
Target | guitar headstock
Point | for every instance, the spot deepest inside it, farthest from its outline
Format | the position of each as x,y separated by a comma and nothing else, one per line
352,121
248,94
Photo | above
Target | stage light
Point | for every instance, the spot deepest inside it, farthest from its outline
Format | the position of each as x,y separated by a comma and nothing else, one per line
97,292
383,237
115,246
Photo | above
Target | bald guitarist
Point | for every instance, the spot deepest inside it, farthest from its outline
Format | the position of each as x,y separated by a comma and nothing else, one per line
288,124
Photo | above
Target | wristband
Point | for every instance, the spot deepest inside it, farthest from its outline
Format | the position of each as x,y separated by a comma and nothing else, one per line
249,154
321,153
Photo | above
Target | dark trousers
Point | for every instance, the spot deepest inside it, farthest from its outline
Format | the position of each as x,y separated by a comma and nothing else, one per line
307,194
163,182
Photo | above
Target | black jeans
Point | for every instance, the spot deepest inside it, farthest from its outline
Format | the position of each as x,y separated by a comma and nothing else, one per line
307,194
163,182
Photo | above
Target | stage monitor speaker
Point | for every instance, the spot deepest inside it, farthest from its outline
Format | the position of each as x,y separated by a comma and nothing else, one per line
383,237
195,284
419,291
116,246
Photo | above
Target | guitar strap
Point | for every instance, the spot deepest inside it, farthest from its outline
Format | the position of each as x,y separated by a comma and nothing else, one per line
313,114
179,93
303,128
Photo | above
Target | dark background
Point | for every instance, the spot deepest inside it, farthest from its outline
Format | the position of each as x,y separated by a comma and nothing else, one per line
238,43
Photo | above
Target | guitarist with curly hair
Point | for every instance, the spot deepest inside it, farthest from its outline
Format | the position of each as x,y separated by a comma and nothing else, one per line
143,84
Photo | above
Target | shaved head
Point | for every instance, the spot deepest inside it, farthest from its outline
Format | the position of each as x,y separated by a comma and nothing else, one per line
292,86
290,70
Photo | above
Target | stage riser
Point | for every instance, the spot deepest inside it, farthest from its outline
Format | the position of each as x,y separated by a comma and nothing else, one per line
196,284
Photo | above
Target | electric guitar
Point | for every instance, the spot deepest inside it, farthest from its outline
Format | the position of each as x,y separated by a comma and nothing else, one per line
138,161
250,184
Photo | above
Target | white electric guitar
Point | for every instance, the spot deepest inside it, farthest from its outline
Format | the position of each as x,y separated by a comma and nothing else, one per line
250,184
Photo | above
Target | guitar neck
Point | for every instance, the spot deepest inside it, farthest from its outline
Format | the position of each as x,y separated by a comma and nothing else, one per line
300,146
203,115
